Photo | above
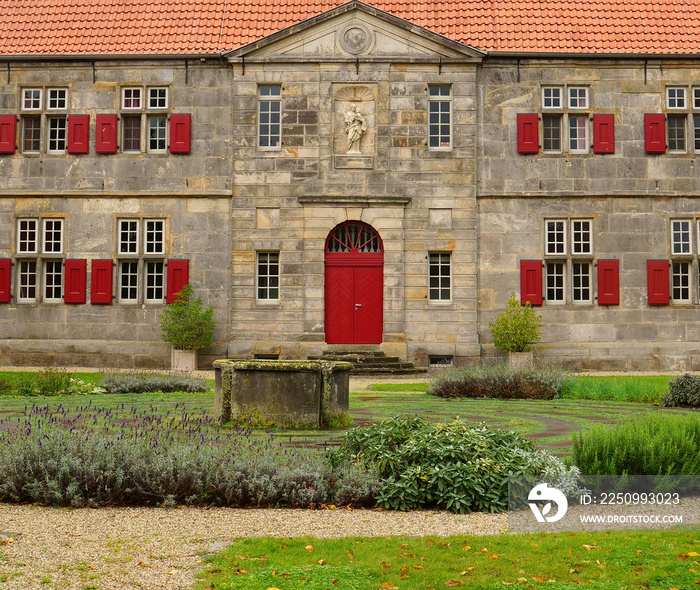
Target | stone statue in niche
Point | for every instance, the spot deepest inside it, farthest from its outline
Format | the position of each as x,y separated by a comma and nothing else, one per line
355,126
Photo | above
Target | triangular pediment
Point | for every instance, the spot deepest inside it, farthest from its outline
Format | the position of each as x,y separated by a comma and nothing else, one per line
356,30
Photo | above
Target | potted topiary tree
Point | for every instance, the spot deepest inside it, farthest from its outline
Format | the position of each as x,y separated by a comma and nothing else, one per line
515,329
188,327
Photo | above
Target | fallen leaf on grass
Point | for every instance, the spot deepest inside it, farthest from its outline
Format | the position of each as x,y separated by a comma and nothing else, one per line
386,565
404,573
451,583
321,561
687,555
309,548
466,548
388,585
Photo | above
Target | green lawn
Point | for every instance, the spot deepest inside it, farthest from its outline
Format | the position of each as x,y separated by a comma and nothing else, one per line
564,561
550,423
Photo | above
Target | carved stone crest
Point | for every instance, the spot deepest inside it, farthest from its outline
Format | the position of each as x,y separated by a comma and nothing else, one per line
356,39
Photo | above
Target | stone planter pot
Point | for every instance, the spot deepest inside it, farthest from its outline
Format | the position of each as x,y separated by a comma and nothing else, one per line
183,360
521,359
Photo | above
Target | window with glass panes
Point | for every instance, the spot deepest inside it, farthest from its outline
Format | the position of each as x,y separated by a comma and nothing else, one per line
565,101
569,277
27,280
155,281
157,133
440,276
128,280
53,280
439,116
57,135
269,116
551,133
555,236
131,133
39,271
141,272
680,282
554,280
31,134
53,235
268,276
680,236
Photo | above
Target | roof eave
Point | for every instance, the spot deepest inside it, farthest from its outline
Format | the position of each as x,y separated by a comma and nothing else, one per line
109,56
583,55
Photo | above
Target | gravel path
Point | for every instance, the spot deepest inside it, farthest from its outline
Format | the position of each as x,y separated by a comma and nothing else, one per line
163,548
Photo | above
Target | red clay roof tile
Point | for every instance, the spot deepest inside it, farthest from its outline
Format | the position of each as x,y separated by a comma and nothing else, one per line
178,27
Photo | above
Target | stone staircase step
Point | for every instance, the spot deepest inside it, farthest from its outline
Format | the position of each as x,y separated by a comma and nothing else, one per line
370,362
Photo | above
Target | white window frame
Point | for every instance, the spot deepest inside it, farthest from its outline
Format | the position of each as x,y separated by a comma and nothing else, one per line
55,102
263,280
22,298
580,131
39,100
581,276
158,144
685,285
57,134
37,235
548,102
578,245
45,234
50,278
440,282
128,242
573,102
680,93
442,101
159,244
121,275
681,229
682,137
151,98
269,111
132,89
549,244
148,274
558,278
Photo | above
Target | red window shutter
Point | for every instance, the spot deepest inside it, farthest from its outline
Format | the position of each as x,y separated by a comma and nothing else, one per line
657,282
106,134
531,282
180,125
78,134
101,282
608,282
8,132
655,133
528,133
177,277
604,134
75,271
5,279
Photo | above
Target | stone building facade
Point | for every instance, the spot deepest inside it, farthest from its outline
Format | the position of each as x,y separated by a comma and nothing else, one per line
351,180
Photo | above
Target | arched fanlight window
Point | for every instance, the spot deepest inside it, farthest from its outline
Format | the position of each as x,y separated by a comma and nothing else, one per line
354,236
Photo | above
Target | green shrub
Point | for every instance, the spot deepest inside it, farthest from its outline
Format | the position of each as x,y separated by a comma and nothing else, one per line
656,444
52,381
683,391
516,327
145,382
500,381
454,466
186,324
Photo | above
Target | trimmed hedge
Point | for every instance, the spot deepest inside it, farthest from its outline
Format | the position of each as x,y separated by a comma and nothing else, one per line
151,382
498,381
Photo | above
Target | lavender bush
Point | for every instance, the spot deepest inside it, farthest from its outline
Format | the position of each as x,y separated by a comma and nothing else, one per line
133,456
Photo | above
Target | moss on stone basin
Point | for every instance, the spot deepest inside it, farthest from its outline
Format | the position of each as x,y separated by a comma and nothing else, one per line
285,393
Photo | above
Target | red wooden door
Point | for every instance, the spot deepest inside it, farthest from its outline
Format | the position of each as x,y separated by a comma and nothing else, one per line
354,290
